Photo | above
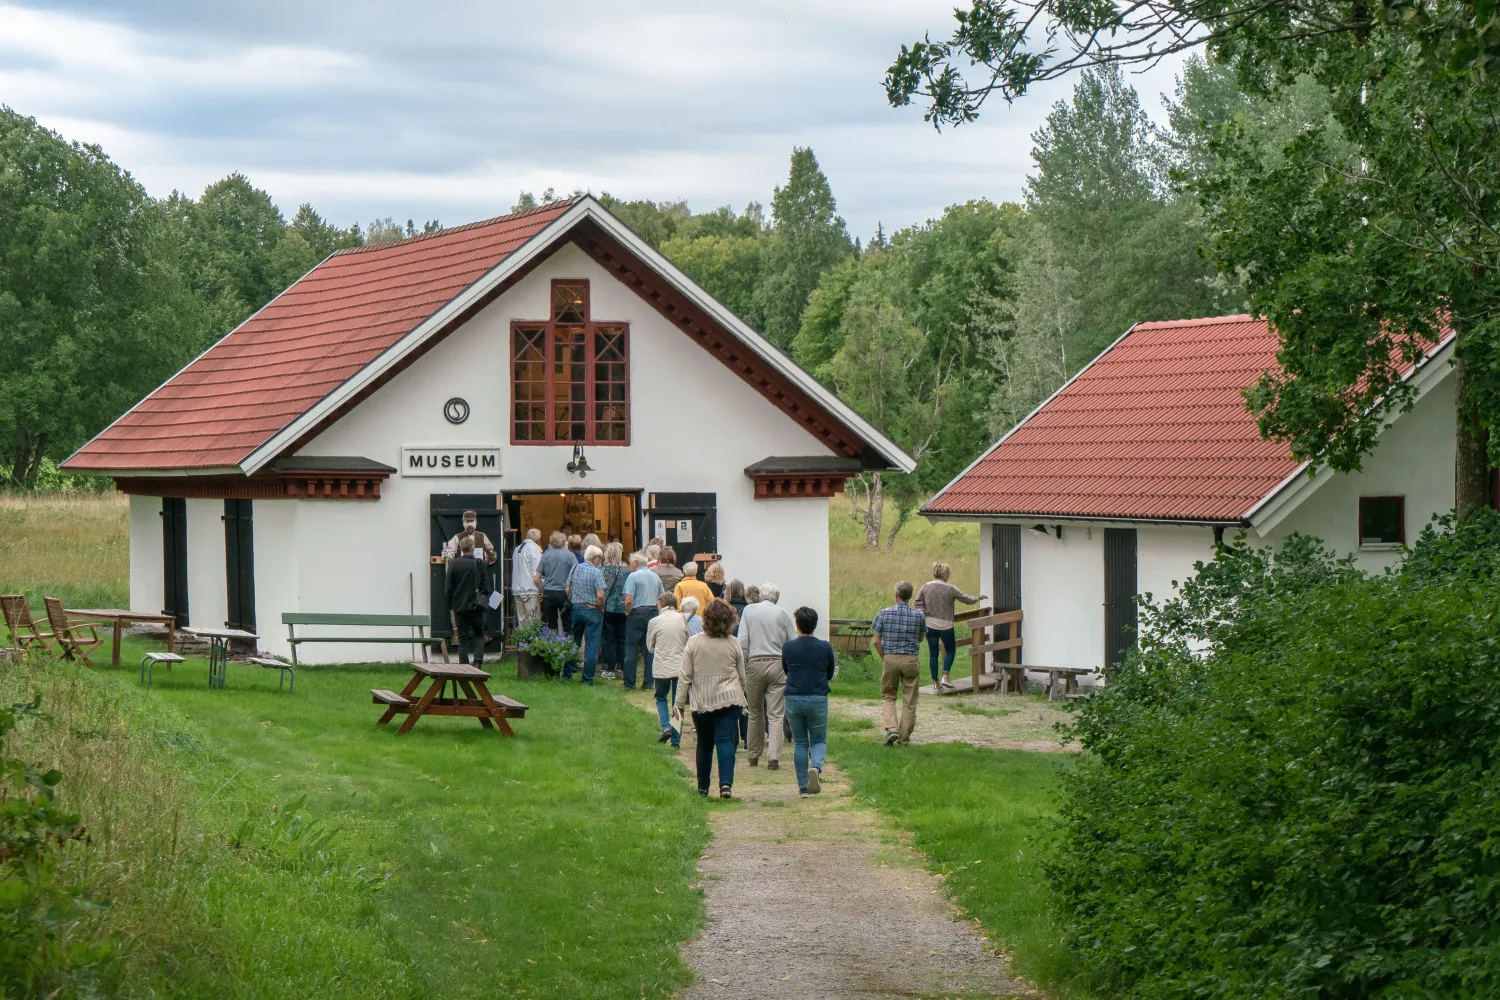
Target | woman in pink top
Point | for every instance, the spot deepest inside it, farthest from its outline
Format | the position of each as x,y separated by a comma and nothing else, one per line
935,601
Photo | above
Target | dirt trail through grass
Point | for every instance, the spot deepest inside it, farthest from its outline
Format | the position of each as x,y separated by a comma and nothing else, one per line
815,898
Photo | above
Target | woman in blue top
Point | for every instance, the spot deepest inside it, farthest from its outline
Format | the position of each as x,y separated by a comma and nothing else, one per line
810,664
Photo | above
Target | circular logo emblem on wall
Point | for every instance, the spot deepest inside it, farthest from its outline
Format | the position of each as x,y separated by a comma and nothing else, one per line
456,410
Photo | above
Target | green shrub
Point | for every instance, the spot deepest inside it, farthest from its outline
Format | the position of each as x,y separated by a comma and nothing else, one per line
1293,791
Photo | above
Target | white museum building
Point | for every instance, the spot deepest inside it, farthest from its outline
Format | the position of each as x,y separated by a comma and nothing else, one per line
544,366
1129,474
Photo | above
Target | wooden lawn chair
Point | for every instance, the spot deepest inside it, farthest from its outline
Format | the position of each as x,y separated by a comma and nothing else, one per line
25,633
69,635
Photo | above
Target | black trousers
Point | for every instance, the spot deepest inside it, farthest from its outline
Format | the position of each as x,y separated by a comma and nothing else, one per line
717,732
557,610
470,635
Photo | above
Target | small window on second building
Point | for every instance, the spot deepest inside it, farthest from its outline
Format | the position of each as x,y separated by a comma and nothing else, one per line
1382,520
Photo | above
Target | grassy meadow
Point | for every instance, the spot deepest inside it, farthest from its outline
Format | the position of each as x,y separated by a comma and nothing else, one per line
73,547
861,581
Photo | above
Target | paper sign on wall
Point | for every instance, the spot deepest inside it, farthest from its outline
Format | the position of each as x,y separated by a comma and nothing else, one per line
661,530
684,531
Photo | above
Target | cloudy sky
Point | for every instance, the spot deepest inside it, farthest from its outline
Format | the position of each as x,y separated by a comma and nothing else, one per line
448,110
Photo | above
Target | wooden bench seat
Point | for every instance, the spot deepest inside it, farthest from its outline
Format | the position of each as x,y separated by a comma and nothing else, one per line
510,705
380,696
286,670
150,660
418,623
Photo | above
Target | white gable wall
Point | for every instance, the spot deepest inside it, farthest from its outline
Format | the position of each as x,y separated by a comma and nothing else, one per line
1413,458
695,425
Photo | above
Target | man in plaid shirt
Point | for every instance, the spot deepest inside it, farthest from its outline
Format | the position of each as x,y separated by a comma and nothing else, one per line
898,637
586,588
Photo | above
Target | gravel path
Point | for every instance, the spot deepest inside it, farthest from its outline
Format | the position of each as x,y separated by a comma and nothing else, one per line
815,898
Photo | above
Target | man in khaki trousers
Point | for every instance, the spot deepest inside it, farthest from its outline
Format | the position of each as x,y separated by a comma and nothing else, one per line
764,629
898,638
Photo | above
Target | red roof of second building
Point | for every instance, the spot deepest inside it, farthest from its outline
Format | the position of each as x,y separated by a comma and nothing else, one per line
305,343
1154,429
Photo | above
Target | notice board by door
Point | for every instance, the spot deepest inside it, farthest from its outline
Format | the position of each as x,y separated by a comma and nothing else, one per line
239,564
688,522
174,580
1119,595
447,520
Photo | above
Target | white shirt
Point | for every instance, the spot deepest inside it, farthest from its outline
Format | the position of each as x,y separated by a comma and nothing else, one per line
523,567
764,629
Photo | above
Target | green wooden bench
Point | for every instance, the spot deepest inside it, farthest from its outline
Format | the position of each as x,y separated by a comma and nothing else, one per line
420,623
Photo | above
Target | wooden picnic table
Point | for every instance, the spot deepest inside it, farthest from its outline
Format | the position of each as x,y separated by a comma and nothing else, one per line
218,650
120,616
476,701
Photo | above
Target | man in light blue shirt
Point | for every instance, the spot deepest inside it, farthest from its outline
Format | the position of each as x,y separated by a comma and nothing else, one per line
586,588
642,588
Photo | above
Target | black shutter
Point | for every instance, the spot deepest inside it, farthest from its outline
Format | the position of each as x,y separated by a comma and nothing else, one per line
239,564
174,559
447,520
1006,548
1119,595
699,509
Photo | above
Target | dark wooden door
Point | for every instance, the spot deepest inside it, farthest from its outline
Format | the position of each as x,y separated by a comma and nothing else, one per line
174,559
447,520
239,563
1119,595
689,521
1005,542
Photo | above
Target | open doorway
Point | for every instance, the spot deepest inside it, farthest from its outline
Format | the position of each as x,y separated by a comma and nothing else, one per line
613,516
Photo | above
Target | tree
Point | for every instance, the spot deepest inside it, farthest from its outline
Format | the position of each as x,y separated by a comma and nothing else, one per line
1361,262
807,238
92,314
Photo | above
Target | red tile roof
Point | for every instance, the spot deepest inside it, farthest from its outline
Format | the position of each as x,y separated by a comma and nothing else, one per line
306,342
1154,429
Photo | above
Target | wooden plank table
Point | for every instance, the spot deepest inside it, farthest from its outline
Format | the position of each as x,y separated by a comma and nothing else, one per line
476,701
218,650
120,616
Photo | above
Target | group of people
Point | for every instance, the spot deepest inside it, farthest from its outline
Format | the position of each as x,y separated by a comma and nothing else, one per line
746,669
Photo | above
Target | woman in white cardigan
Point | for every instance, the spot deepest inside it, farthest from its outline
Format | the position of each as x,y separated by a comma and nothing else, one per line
712,684
666,636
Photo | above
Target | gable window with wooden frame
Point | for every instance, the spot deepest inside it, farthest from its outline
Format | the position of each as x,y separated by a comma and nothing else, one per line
1382,522
570,374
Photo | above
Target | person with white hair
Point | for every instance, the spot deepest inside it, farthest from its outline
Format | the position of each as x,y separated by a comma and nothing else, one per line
666,637
764,629
526,577
642,590
586,589
691,586
690,614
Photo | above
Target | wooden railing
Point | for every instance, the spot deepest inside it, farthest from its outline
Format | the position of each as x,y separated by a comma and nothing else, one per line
985,668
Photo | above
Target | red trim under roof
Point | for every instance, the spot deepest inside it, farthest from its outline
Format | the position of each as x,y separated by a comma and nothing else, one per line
302,345
1154,429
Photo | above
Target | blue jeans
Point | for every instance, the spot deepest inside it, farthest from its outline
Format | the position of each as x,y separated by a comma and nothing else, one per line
949,644
588,625
666,693
808,714
719,730
635,644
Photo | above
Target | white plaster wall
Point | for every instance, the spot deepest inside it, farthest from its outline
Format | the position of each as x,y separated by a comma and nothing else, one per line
146,581
694,427
208,596
277,572
1165,555
1062,595
1414,458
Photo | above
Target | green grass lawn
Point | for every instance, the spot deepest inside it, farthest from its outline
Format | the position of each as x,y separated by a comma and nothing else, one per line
558,864
981,817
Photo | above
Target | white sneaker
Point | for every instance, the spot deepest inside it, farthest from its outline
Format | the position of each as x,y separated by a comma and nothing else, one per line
814,786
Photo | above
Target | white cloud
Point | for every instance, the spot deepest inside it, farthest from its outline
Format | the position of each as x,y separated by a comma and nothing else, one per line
381,108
